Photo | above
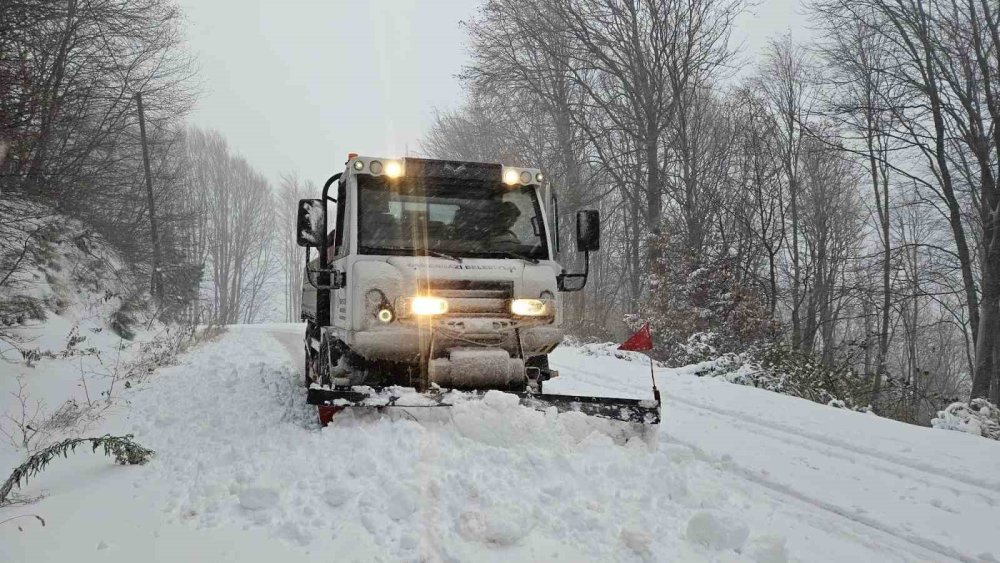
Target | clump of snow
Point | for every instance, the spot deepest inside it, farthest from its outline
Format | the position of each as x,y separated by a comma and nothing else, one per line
978,417
504,524
638,541
611,349
767,549
717,531
258,498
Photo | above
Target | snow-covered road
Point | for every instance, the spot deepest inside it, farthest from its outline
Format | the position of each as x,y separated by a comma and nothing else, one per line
243,472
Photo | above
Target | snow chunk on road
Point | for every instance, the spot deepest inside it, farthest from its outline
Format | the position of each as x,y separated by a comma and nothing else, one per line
258,498
337,495
501,525
717,531
767,549
638,541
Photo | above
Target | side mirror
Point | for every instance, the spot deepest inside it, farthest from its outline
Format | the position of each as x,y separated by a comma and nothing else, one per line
571,282
588,230
588,239
309,226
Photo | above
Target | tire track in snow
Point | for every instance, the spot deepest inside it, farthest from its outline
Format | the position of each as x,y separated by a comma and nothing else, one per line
430,492
922,545
882,457
794,438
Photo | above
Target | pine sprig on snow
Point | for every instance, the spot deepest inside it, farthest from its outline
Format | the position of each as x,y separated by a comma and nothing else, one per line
125,451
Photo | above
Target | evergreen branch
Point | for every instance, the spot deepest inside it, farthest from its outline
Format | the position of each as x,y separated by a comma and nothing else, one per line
125,451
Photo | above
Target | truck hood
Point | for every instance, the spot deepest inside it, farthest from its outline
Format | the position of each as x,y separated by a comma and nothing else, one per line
394,277
527,278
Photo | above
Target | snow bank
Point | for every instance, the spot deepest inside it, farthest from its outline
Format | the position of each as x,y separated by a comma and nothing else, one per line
242,471
237,448
978,417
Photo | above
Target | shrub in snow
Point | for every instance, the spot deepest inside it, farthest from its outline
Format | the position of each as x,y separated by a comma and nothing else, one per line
698,307
777,367
978,416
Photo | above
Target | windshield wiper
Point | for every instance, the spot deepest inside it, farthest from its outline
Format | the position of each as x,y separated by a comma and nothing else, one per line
443,255
511,254
376,249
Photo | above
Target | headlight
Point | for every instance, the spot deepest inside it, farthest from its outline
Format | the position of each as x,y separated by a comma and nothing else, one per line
529,307
426,305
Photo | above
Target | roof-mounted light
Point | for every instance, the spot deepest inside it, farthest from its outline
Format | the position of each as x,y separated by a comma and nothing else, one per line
379,167
523,176
393,169
511,176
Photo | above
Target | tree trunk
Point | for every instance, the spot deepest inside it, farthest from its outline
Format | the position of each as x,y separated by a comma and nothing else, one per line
156,276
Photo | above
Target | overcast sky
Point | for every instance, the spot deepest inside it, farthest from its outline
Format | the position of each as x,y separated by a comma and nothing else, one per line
294,85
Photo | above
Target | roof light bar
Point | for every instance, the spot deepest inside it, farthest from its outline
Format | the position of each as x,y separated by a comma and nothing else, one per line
393,168
378,166
523,176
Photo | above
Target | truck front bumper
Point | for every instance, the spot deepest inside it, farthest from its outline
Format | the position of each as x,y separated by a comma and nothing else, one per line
409,341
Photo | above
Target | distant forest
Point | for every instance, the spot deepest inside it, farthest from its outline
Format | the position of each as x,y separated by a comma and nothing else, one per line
835,209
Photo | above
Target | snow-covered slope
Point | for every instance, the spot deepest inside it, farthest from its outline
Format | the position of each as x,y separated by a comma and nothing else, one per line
243,472
72,311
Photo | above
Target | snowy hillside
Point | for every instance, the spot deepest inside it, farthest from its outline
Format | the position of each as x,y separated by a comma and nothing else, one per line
74,335
72,330
243,473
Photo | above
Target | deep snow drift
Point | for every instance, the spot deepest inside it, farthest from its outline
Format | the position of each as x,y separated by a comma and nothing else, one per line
243,472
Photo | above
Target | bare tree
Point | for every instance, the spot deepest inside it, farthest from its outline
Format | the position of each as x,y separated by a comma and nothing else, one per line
239,215
290,190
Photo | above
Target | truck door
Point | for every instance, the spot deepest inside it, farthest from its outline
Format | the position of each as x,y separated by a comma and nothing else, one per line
339,258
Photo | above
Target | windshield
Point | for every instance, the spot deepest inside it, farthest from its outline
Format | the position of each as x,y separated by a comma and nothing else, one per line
466,220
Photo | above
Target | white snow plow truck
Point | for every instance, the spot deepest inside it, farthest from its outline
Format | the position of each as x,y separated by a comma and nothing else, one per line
434,278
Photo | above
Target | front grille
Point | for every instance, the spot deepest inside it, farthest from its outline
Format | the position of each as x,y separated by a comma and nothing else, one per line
474,298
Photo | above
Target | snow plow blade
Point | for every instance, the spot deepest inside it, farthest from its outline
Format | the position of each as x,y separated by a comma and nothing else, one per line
640,411
628,410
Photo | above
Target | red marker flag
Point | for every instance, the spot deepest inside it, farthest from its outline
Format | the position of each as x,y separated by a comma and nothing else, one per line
641,341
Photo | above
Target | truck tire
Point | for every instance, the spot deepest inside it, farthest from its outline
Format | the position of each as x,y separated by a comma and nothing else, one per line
329,355
310,355
308,361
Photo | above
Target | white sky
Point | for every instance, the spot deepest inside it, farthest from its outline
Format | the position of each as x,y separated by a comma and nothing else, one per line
294,85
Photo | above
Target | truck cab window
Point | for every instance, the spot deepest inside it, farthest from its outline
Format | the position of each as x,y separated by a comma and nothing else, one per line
472,219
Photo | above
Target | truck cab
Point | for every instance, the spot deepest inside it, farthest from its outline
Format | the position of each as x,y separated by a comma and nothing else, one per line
434,273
